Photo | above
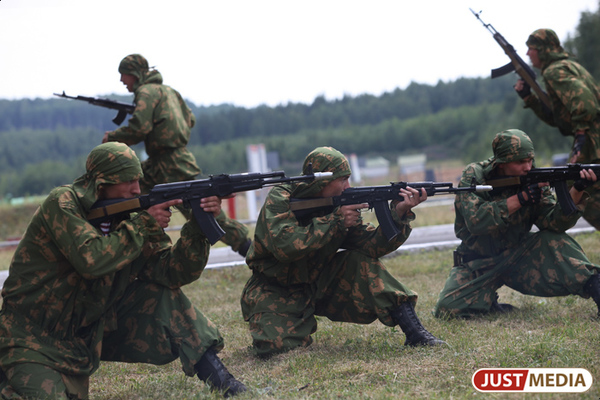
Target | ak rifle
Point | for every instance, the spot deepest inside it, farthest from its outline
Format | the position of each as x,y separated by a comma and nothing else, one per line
191,192
377,197
517,65
123,108
557,178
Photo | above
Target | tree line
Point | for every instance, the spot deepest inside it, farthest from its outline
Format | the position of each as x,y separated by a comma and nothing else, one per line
44,142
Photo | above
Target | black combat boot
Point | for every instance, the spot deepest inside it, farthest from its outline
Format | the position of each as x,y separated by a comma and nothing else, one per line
211,370
501,307
416,334
592,287
243,250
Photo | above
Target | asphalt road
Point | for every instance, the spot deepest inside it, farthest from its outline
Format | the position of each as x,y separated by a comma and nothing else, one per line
430,237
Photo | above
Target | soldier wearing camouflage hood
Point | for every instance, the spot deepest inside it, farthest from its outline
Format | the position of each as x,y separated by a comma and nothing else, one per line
163,121
299,273
575,98
77,293
497,246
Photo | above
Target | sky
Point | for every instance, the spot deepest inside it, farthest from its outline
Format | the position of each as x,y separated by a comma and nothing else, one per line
264,52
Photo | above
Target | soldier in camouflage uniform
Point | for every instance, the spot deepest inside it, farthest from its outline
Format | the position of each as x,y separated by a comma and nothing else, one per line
77,294
498,247
163,122
575,98
298,272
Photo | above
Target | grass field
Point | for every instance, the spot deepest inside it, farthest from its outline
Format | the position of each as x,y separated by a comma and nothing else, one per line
349,361
369,361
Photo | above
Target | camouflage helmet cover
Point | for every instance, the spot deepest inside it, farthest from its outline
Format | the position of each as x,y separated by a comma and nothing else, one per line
322,159
107,164
512,145
548,46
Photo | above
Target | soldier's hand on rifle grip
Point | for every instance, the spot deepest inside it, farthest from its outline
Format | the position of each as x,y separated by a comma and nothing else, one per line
523,89
162,213
531,195
351,214
211,205
577,145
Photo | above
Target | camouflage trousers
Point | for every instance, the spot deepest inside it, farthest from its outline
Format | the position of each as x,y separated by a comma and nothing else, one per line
153,325
351,288
548,264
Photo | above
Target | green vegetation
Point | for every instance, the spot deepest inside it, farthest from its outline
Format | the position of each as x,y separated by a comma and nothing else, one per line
354,361
43,143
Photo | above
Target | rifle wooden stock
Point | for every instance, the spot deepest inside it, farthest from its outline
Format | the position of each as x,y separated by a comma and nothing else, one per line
377,197
516,64
190,192
556,177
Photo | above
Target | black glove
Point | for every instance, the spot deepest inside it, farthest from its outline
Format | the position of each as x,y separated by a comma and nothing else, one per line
578,143
525,91
534,195
581,184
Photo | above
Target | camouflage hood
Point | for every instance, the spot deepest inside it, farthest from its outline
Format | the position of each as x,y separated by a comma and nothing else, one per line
510,145
323,159
109,163
137,65
547,45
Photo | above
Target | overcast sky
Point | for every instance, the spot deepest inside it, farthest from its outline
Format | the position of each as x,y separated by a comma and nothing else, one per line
252,52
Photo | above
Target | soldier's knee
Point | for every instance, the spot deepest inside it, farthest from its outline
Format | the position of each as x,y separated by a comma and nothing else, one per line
33,381
272,334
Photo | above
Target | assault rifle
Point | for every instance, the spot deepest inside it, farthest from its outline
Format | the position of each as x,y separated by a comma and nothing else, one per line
123,108
191,192
377,197
517,65
557,177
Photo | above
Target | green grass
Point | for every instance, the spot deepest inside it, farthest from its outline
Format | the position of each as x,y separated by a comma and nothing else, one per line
350,361
353,361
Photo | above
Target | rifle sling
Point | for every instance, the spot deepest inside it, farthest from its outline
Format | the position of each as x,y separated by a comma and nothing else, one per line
113,209
311,203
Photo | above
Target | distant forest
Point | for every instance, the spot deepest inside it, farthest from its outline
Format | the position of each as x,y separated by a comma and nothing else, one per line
44,143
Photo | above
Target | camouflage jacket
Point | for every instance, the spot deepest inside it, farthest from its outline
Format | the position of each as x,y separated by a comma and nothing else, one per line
163,121
484,225
66,276
573,92
289,252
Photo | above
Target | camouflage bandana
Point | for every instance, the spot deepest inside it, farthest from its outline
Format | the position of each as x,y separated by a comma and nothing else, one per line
109,163
323,159
136,65
511,145
547,45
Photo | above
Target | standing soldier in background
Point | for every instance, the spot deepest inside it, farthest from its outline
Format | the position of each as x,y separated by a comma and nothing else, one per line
575,98
163,122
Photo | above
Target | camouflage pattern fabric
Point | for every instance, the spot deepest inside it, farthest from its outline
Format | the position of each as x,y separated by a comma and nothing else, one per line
163,121
70,287
298,272
575,98
500,249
